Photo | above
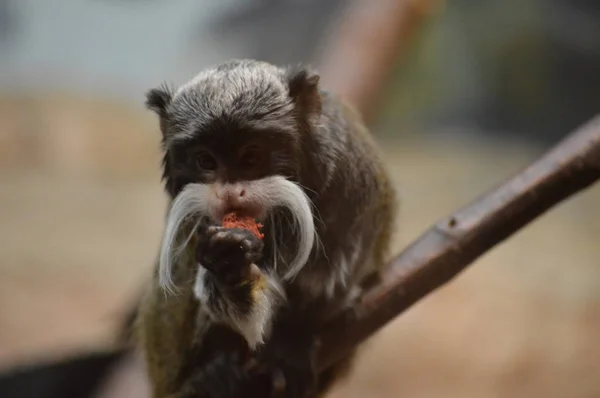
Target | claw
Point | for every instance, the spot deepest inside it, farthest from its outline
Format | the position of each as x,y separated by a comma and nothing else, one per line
246,244
211,230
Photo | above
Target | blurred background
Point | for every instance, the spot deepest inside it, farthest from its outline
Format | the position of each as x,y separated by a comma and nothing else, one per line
461,94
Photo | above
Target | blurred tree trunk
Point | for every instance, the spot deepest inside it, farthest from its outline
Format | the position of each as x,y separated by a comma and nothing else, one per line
359,56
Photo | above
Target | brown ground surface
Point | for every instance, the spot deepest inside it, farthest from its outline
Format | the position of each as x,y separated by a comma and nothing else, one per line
81,212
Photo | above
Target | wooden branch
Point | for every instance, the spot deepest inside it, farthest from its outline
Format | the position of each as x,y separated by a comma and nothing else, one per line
456,241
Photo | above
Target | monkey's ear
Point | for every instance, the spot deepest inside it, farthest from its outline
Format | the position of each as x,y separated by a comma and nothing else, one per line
158,99
304,89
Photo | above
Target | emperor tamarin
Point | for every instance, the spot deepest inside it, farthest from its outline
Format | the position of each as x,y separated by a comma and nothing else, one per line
227,314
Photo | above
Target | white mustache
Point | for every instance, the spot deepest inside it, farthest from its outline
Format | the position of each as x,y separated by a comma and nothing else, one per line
192,204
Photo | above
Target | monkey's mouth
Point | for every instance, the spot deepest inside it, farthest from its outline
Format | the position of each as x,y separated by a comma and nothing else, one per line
257,213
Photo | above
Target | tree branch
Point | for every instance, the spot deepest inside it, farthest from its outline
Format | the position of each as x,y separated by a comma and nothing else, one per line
456,241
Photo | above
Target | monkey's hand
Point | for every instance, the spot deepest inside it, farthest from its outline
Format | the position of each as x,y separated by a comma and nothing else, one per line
232,287
225,377
229,253
291,362
280,370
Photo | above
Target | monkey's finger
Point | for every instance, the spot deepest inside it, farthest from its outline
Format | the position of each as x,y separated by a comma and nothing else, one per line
279,383
249,256
253,366
223,235
247,245
218,234
207,230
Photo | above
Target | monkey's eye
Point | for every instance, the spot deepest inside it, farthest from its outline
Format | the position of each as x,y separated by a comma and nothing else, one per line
251,157
206,161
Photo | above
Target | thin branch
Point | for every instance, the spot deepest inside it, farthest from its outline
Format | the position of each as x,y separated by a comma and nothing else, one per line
456,241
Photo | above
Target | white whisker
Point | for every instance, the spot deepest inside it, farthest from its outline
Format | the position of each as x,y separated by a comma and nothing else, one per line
192,201
317,216
315,208
277,191
268,193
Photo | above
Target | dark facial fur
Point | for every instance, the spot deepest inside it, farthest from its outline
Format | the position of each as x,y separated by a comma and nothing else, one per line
242,121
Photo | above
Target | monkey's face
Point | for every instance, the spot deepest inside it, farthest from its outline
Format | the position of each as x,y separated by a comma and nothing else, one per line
231,160
232,143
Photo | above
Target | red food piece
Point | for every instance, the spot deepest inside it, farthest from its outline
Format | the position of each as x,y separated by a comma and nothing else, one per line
231,220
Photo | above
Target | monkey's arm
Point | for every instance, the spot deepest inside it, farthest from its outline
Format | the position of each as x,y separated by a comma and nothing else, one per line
165,329
233,289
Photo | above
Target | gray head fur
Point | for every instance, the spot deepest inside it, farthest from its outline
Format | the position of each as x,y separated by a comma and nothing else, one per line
248,92
238,96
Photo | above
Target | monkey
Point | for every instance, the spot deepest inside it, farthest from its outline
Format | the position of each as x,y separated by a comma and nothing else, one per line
227,314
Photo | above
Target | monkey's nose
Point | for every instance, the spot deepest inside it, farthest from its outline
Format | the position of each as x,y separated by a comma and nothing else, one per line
238,198
230,196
